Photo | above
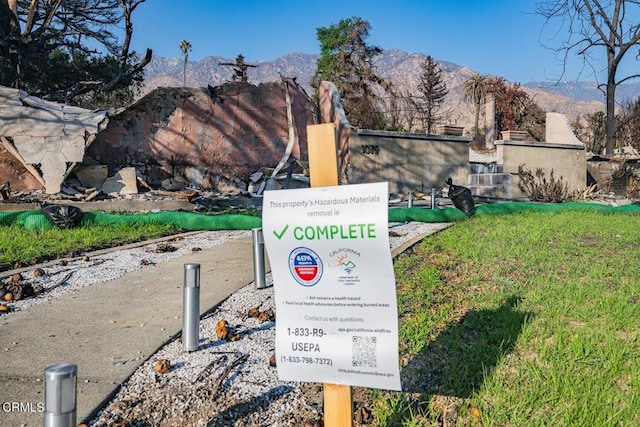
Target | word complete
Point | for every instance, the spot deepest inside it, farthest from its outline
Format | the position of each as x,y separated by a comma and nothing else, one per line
331,232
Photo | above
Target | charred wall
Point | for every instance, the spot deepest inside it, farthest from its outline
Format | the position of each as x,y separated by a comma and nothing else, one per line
224,133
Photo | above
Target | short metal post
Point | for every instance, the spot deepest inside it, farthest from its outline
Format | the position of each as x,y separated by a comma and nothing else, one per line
191,307
433,198
410,200
60,395
258,258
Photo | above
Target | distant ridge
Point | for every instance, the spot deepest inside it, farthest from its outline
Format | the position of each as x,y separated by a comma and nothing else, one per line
400,67
588,91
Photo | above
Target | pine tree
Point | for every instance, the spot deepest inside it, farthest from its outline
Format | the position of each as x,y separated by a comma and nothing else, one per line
433,91
347,61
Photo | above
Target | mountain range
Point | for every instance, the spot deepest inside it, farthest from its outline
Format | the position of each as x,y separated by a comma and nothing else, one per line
401,68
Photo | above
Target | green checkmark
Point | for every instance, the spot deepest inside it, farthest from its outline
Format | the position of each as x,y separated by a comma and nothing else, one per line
284,230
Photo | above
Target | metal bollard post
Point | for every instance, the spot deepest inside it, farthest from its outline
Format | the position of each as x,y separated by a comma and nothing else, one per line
258,258
191,307
433,198
410,200
60,383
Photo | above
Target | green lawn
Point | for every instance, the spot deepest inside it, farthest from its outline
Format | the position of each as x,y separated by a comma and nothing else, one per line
18,244
528,319
27,236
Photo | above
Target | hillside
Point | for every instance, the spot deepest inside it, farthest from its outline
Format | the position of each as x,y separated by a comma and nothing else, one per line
399,67
587,91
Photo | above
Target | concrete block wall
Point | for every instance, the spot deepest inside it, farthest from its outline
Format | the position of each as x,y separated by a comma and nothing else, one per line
565,160
407,161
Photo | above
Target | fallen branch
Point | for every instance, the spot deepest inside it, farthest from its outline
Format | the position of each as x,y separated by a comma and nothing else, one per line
225,373
60,282
209,367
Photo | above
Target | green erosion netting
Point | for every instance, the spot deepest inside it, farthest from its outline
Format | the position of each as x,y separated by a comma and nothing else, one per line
184,220
36,219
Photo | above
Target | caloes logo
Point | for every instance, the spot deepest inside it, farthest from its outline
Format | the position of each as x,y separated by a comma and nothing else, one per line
347,264
305,266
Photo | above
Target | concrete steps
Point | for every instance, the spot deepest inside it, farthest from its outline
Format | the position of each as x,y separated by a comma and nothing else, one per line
482,168
496,191
489,180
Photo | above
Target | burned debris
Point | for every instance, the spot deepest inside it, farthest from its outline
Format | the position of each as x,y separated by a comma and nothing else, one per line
239,69
169,144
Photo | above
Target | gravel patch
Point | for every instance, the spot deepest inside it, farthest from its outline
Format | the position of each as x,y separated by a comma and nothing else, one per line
72,275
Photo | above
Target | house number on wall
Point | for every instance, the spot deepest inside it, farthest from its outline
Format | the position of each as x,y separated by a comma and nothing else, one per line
371,149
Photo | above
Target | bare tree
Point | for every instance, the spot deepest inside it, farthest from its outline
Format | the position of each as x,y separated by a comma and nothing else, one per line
534,120
591,129
239,69
607,26
394,106
628,127
400,108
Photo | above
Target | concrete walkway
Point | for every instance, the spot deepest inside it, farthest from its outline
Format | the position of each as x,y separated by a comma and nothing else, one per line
107,330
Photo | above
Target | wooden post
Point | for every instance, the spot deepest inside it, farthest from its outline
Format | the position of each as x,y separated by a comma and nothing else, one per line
323,155
338,405
323,172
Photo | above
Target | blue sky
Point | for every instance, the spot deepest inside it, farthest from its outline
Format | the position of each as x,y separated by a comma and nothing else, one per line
499,37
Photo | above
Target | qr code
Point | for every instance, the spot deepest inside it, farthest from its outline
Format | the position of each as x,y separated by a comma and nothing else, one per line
364,351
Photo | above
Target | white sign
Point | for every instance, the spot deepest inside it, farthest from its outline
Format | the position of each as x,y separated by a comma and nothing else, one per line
336,311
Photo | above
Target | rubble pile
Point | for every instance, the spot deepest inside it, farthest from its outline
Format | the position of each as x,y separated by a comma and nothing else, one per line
137,189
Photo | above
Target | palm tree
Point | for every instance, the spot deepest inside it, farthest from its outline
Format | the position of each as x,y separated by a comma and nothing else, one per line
185,48
475,90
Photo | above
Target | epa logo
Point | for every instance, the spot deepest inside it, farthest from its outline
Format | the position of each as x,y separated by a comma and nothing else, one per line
305,266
